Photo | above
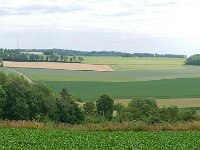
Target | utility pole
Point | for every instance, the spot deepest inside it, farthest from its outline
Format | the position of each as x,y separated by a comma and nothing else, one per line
17,41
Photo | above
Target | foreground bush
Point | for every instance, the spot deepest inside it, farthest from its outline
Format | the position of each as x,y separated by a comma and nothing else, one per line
21,100
148,111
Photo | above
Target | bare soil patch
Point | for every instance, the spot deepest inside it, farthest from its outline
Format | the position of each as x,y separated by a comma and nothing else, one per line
56,65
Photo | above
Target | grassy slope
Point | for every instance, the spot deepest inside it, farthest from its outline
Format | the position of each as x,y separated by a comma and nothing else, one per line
60,139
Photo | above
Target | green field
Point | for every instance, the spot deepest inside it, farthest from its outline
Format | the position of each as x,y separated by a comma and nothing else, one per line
168,88
128,63
26,139
136,77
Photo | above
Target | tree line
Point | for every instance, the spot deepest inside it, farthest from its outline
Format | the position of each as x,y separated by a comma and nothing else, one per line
139,109
47,56
105,53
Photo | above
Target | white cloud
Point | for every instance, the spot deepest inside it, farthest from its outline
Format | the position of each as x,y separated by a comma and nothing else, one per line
152,18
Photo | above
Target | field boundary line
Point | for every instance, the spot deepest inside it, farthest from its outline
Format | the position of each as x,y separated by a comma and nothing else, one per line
25,77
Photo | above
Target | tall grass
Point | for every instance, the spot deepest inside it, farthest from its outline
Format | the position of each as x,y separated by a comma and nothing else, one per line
108,126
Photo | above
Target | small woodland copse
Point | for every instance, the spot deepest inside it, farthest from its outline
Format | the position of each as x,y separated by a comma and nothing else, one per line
193,60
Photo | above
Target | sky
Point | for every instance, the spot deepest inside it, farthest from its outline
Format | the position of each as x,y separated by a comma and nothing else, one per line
146,26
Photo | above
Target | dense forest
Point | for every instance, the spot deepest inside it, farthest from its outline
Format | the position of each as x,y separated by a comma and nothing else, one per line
193,60
22,100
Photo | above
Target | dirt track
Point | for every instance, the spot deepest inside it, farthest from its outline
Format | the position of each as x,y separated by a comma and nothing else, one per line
56,65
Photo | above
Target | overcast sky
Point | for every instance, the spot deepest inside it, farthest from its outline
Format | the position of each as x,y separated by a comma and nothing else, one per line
161,26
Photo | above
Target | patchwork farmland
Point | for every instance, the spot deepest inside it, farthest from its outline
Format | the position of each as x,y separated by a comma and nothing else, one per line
162,78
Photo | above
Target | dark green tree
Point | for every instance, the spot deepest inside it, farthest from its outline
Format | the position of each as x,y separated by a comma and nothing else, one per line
70,59
65,95
3,78
80,59
65,59
54,57
105,106
2,101
16,107
89,108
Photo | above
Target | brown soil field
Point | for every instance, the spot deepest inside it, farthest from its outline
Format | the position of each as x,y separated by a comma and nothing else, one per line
57,65
180,102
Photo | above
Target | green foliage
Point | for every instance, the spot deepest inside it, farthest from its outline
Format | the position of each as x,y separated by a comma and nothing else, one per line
54,57
138,109
169,114
26,55
148,111
193,60
48,52
2,101
24,139
65,95
3,78
188,115
69,112
118,107
89,108
104,53
105,106
16,107
94,119
80,59
21,100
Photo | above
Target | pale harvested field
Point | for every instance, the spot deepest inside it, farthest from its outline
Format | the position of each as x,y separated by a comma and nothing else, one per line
180,102
56,65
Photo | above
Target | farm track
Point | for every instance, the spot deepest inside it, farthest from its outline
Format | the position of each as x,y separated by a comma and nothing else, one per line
29,80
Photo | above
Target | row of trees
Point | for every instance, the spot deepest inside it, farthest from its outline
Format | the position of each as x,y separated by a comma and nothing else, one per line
110,53
193,60
137,110
102,53
48,56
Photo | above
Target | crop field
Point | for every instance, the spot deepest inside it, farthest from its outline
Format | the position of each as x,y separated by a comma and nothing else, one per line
162,78
56,65
162,89
180,102
128,63
60,139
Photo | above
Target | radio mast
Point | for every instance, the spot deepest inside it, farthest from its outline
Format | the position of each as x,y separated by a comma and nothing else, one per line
17,41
